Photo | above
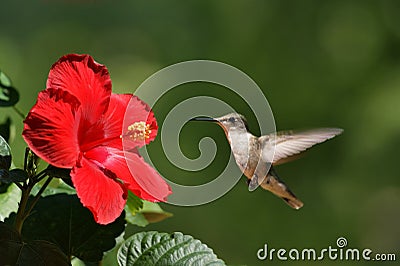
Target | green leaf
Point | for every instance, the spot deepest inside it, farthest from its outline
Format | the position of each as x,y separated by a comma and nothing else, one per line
63,220
5,154
8,95
154,248
4,80
63,173
151,212
134,203
13,176
16,252
5,129
9,200
136,219
56,186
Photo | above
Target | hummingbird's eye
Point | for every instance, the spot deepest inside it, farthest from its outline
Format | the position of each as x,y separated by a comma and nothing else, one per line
232,119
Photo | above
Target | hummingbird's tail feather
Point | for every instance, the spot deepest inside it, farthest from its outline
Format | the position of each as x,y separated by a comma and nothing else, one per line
280,189
295,203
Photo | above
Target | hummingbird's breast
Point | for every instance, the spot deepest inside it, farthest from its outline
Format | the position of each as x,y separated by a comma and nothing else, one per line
246,150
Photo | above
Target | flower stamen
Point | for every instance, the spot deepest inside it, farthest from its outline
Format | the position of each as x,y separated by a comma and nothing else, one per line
138,131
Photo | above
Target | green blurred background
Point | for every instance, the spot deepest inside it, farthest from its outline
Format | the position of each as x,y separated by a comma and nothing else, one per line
319,63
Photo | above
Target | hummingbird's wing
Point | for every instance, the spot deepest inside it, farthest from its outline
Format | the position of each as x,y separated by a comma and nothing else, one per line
288,144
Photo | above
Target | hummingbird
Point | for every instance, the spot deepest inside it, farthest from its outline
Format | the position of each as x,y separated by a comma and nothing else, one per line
257,156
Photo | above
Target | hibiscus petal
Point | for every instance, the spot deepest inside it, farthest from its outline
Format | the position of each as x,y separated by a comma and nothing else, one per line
87,80
137,175
147,178
105,197
113,120
138,118
50,129
108,129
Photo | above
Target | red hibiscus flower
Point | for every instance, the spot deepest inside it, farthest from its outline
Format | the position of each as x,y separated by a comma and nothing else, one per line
78,123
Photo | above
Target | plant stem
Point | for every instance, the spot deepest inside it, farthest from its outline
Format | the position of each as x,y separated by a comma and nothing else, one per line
19,220
18,112
41,175
19,186
22,214
37,197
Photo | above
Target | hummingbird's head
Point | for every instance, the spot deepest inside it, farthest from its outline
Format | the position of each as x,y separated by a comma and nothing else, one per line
233,121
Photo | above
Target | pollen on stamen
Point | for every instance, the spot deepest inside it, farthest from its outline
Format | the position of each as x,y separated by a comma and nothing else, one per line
138,131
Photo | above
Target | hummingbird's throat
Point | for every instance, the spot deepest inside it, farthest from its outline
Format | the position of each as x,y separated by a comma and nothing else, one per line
138,131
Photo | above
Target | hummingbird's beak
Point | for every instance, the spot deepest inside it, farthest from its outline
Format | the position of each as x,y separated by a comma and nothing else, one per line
203,118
